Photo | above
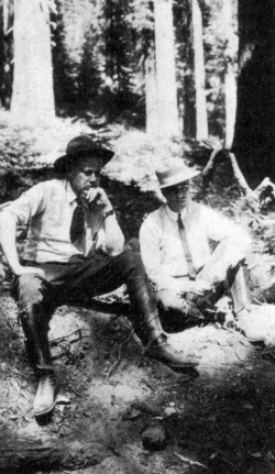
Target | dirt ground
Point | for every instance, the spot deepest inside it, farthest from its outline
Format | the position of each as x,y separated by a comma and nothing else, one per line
222,421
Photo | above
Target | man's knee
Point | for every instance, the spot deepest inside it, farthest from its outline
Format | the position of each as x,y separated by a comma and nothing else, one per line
131,261
28,289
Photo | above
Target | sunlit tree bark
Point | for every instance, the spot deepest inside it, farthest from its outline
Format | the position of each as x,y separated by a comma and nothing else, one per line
167,111
230,86
151,95
32,92
199,72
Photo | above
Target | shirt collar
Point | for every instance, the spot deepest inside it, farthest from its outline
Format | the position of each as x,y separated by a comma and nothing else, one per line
173,216
71,196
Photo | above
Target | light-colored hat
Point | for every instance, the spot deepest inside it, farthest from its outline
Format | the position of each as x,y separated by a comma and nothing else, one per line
175,174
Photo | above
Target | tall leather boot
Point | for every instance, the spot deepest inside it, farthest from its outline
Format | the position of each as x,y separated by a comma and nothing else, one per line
146,323
240,292
37,346
243,309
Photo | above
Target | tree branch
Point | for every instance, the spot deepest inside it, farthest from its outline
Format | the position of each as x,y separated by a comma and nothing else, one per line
240,177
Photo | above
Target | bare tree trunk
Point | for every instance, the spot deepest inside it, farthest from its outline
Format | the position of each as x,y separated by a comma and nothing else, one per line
199,72
151,95
230,90
230,86
32,95
167,111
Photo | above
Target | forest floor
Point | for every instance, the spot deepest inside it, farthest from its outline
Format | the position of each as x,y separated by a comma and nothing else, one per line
110,394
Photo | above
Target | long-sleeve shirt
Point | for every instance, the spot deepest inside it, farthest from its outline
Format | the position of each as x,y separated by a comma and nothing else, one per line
47,209
162,249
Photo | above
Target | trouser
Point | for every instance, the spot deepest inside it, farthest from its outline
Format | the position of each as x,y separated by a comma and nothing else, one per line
72,283
195,309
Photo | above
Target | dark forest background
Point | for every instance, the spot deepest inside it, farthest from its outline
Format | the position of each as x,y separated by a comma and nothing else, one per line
189,69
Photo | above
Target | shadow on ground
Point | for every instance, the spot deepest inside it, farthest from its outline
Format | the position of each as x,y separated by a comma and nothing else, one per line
223,421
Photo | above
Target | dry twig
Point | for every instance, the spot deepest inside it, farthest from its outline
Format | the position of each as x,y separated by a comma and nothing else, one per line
190,462
115,365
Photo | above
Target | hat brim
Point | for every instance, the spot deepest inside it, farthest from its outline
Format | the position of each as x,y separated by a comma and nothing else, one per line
179,178
61,164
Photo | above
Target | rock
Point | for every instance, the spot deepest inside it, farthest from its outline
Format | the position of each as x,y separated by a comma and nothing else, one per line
154,438
3,366
169,411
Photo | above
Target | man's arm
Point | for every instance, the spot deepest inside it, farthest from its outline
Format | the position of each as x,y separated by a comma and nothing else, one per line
233,245
8,225
20,211
113,237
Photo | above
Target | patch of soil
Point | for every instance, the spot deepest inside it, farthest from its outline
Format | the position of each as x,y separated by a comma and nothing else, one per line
223,420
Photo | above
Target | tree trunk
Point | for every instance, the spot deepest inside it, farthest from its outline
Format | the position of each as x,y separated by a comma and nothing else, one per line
230,86
151,95
199,72
32,95
230,91
254,140
167,111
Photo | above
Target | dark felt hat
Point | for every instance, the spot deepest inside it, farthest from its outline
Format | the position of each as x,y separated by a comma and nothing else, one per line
82,146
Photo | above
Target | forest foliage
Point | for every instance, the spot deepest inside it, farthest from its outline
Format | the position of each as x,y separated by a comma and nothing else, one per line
99,50
108,64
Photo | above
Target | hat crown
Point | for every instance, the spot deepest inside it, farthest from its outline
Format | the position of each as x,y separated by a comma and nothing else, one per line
175,174
84,144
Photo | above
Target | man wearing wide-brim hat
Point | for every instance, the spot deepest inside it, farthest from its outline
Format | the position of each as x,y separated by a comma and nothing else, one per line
175,247
74,250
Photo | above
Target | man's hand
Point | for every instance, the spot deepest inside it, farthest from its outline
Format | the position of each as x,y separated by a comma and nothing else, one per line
198,287
23,270
170,299
96,198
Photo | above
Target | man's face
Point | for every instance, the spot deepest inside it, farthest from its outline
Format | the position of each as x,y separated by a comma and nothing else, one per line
176,196
85,174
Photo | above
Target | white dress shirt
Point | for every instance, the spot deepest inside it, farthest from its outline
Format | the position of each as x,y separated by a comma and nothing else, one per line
162,250
47,208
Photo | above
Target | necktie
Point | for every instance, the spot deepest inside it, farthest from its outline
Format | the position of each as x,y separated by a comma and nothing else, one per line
77,229
186,249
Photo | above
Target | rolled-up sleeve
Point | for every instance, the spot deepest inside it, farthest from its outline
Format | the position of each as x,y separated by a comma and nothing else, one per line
29,204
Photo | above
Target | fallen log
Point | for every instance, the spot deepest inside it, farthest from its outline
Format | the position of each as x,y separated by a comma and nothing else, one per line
19,455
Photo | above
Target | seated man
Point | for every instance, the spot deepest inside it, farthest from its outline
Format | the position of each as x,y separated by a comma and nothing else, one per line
74,248
175,249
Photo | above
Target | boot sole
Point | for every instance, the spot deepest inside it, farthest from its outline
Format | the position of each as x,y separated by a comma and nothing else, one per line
184,365
47,411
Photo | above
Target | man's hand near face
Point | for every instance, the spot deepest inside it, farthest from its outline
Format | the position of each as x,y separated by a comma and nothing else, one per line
96,198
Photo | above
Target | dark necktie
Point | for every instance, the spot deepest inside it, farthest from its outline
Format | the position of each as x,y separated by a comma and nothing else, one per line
77,229
186,249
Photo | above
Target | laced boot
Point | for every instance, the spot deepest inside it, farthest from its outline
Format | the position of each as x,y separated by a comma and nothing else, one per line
44,400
